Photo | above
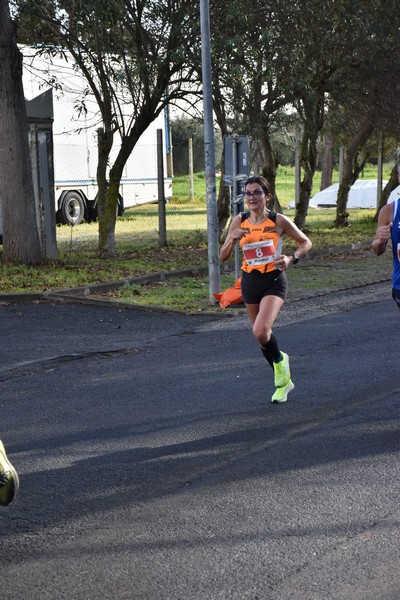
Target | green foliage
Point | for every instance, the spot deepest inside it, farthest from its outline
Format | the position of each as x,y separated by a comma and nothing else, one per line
183,128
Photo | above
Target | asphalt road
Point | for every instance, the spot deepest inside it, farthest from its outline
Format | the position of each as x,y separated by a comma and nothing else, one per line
153,465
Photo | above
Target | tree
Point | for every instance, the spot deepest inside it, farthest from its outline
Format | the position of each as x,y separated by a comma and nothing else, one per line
311,109
316,33
183,128
135,60
352,167
367,92
21,243
248,97
342,54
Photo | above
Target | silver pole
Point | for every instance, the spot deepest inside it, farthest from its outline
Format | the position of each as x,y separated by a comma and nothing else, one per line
234,194
162,226
380,169
209,154
297,170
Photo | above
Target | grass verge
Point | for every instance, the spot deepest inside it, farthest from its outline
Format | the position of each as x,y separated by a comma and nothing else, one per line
311,277
137,254
186,249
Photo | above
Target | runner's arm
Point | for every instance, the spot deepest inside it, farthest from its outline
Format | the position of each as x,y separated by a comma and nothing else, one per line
383,230
235,233
287,226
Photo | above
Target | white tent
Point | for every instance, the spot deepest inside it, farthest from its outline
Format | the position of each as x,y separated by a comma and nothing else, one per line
394,195
363,194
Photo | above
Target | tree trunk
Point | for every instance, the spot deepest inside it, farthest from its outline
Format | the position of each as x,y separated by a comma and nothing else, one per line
350,176
108,216
308,161
269,168
327,162
223,207
312,112
224,197
104,141
309,167
223,200
387,190
21,241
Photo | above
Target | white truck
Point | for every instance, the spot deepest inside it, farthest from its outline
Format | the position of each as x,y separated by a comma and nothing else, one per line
75,143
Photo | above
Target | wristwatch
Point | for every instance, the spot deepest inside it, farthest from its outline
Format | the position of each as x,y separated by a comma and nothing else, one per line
295,258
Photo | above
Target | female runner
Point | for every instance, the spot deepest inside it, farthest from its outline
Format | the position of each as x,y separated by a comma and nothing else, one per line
264,283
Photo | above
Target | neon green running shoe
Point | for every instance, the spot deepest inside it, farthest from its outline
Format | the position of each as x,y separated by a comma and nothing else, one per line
9,481
282,371
281,393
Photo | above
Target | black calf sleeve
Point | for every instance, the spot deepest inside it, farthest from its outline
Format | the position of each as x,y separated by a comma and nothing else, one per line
271,350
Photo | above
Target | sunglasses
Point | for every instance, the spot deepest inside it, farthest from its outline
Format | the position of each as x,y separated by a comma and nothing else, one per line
255,194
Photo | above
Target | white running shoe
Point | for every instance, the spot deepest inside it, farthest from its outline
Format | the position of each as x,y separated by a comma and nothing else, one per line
9,481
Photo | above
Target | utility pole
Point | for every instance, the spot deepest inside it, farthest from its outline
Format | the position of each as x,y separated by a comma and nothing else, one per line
209,154
162,226
380,168
297,169
234,197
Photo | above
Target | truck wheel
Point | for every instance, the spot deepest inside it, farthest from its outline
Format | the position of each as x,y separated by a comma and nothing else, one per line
72,211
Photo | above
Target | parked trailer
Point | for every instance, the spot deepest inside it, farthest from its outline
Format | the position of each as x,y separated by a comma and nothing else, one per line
75,144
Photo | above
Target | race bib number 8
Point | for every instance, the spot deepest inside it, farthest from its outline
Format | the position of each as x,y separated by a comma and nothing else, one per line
259,253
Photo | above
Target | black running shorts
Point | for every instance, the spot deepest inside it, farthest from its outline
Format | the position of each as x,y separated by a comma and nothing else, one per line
396,296
256,285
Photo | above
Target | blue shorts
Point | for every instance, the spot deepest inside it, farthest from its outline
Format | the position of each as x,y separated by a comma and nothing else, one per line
256,285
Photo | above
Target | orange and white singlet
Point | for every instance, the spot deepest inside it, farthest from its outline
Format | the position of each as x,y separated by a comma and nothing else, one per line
260,245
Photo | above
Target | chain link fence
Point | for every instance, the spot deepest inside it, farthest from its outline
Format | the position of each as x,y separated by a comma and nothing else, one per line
185,208
75,195
185,213
137,225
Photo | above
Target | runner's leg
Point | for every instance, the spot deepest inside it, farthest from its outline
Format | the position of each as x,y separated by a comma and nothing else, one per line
262,317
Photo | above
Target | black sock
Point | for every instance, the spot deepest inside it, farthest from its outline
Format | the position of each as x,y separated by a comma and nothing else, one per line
271,351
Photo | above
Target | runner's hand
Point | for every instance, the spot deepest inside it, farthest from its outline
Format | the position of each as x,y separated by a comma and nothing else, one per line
237,234
384,232
282,262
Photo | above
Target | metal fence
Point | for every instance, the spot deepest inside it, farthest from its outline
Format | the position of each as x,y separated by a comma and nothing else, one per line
140,224
75,168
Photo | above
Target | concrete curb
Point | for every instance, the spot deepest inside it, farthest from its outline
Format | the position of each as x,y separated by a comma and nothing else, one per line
83,293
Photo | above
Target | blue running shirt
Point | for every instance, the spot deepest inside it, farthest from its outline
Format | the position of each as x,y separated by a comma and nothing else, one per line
396,243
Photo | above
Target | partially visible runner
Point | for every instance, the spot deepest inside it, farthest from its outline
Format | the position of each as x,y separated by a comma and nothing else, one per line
264,282
389,228
9,481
